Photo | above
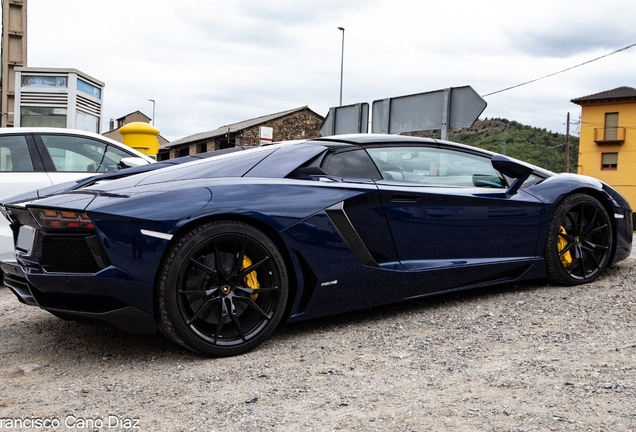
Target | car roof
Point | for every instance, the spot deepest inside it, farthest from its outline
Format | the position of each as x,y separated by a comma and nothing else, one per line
372,138
73,132
56,130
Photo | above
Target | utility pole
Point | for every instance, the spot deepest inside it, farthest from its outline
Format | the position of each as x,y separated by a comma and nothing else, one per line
567,144
341,63
153,111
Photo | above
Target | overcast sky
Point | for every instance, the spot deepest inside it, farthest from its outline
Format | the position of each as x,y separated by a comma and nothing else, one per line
208,63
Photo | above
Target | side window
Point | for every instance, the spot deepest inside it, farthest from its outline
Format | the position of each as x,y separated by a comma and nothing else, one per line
435,167
351,163
14,154
531,181
79,154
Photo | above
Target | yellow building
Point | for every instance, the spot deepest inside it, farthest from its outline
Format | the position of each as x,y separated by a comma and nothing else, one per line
607,146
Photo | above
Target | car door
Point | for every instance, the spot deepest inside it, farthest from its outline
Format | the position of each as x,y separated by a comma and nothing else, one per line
448,207
361,219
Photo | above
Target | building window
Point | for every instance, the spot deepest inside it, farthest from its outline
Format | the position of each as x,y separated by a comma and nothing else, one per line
611,126
609,161
42,117
185,151
203,147
86,122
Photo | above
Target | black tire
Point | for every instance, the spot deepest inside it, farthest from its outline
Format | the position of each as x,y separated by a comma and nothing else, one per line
579,242
204,299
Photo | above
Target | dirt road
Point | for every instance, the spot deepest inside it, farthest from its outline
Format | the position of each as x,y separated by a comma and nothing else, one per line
529,357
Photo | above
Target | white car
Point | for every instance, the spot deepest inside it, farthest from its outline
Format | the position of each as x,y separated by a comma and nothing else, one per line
33,158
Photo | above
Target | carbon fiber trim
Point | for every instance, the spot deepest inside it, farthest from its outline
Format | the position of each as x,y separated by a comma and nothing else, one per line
342,223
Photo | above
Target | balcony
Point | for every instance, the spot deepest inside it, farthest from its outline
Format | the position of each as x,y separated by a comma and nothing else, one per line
609,135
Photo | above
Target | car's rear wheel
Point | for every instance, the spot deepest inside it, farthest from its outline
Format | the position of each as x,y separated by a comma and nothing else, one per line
579,242
222,289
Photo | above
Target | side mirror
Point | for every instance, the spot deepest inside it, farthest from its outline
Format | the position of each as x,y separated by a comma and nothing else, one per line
511,168
130,162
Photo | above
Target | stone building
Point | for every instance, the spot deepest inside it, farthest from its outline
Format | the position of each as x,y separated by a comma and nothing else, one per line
293,124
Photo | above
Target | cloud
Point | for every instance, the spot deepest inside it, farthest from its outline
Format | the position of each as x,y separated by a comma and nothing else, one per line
562,44
210,63
564,29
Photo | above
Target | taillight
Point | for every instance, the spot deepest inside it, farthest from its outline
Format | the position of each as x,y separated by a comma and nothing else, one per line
62,219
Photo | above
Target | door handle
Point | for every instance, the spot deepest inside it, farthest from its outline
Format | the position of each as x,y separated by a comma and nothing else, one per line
404,198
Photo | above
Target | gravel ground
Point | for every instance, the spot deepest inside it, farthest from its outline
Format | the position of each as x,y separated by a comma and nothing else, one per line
525,357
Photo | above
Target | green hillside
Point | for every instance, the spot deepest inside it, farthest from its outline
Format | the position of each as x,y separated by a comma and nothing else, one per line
536,146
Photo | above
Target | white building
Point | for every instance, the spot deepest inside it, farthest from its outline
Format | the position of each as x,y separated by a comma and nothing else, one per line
55,97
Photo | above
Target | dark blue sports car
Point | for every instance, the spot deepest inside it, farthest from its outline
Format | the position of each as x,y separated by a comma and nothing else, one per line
216,252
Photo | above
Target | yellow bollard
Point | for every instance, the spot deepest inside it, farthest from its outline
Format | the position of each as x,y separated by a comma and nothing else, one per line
142,137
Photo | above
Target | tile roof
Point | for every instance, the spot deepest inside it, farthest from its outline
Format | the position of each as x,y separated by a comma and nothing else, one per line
234,127
134,112
617,93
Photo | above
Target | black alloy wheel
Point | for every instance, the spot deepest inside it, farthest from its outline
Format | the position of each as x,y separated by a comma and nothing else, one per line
580,241
222,290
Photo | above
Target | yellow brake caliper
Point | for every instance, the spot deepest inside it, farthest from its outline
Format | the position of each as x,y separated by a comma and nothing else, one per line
566,258
250,280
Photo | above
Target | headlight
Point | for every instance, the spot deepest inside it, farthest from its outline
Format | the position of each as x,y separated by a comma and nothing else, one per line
61,219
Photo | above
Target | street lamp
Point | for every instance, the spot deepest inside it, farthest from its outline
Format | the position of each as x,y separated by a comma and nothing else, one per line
153,111
341,63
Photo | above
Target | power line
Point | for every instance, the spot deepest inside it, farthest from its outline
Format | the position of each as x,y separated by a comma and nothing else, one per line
564,70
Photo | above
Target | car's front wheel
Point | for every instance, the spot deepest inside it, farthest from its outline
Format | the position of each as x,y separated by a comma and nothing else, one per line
579,242
222,289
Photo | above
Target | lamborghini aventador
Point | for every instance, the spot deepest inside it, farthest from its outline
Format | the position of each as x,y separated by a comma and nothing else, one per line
215,253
